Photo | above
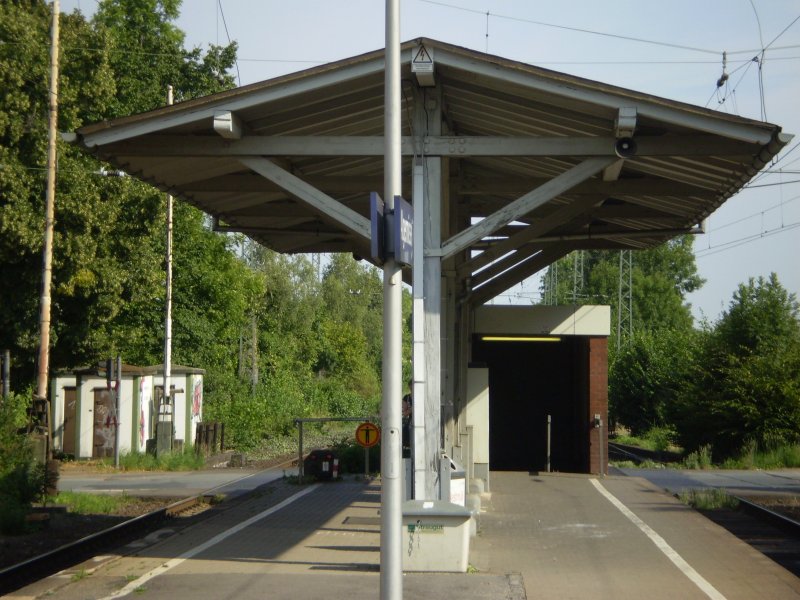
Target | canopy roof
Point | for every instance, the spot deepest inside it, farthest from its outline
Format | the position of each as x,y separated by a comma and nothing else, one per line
538,163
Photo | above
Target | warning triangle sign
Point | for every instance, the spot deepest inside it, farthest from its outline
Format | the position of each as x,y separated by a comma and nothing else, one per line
422,57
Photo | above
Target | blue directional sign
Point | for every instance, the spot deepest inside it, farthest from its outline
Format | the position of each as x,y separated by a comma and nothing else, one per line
377,228
402,237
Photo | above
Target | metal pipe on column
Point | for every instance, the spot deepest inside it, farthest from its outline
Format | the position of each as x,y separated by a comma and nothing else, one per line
549,426
602,444
391,578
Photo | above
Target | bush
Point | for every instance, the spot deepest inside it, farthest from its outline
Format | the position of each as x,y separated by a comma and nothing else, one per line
746,381
699,459
185,460
647,375
711,499
21,478
351,457
776,457
657,439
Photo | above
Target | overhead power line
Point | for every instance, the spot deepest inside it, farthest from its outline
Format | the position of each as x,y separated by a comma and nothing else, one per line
575,29
755,214
711,250
228,35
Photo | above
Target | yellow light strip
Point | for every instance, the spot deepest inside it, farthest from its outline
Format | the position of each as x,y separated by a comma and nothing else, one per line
498,338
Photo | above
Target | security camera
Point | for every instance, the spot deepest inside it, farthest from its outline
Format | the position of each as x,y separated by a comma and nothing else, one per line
625,147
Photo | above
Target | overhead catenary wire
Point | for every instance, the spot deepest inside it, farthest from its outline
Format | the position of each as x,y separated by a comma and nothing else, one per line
779,160
575,29
755,214
711,250
228,35
759,59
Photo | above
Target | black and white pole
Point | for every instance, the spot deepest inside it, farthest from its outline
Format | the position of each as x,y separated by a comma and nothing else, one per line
391,580
168,288
117,401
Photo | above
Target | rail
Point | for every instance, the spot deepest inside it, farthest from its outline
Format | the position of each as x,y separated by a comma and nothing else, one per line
23,573
784,523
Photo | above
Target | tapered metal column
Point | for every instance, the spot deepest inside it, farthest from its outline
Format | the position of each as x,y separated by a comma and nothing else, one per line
391,451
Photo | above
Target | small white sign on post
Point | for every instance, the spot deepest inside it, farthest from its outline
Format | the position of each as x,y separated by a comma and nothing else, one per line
422,66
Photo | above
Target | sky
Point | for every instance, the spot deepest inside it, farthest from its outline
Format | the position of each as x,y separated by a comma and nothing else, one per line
671,49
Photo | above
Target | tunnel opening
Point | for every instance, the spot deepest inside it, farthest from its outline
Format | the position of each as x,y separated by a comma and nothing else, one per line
529,379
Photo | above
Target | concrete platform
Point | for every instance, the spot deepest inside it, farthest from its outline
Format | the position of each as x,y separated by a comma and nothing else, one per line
568,540
551,536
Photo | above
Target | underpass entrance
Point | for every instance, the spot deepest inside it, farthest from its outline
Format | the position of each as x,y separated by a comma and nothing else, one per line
544,361
529,380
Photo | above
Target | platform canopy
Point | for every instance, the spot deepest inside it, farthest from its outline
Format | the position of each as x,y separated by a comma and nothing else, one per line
538,163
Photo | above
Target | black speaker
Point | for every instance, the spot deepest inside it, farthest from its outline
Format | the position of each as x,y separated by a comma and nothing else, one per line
625,147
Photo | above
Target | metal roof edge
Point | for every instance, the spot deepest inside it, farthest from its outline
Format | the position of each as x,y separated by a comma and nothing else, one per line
584,82
516,72
220,98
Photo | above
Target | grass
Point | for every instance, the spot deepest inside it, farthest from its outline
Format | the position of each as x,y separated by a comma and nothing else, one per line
90,504
780,457
186,460
629,464
656,439
711,499
699,459
82,574
751,457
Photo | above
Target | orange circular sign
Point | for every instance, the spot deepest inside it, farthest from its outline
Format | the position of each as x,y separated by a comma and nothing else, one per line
367,435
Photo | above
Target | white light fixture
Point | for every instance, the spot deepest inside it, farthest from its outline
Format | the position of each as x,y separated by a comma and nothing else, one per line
518,338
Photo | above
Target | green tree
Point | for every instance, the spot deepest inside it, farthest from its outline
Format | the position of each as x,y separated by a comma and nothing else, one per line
353,293
661,279
648,375
86,84
108,247
146,53
746,386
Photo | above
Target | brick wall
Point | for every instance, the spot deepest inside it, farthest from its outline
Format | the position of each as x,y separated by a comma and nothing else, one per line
598,401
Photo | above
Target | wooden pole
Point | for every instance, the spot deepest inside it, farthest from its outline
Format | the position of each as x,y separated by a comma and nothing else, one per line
49,218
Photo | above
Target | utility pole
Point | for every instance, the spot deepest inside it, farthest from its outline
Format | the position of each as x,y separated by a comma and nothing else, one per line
168,287
550,292
625,297
391,579
577,275
49,212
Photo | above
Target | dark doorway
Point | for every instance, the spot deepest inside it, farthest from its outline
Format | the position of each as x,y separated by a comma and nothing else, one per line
70,413
529,380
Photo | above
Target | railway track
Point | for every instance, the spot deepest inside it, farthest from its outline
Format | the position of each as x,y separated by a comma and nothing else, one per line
53,561
73,553
771,533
